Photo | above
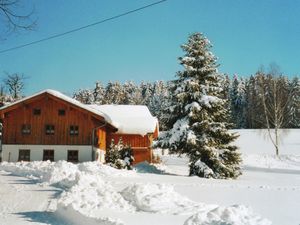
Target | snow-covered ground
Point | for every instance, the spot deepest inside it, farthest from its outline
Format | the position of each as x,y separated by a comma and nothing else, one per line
90,193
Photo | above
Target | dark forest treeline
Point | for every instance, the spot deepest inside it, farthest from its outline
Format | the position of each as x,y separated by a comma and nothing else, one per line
244,98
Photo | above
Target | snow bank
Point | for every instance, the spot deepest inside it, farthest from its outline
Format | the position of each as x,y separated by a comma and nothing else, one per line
233,215
87,189
104,170
161,198
83,184
61,174
84,187
72,216
90,193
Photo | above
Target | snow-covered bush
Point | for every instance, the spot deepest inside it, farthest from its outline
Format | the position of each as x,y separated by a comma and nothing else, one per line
119,156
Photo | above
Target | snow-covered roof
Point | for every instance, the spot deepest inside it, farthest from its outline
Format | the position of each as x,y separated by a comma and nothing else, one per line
129,119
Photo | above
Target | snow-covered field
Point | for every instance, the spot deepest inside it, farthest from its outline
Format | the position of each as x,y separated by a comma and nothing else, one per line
90,193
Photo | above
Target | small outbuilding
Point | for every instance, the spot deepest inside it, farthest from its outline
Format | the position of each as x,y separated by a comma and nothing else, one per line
136,127
52,126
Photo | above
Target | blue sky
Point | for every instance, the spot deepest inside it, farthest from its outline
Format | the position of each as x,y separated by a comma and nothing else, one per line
146,45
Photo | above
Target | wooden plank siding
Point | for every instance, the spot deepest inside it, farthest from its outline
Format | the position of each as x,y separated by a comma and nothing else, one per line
141,145
130,139
49,105
21,113
101,134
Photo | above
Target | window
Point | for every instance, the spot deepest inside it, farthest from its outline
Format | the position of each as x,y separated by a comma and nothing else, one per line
49,129
74,130
36,112
72,156
61,112
26,129
48,155
24,155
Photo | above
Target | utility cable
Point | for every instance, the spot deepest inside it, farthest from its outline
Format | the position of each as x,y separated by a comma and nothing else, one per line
83,27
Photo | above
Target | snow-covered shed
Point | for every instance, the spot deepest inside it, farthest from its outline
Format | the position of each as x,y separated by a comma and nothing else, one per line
51,125
136,126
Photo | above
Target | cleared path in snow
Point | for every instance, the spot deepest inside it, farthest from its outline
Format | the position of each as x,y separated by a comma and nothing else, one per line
23,202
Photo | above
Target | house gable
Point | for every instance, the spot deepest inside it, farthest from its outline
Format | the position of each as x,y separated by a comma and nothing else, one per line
71,124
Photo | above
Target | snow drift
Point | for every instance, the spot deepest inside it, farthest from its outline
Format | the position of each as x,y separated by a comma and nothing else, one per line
233,215
87,188
161,198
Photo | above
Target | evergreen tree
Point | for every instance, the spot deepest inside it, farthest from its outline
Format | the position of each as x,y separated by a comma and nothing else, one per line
114,93
225,80
294,106
159,101
237,102
254,112
168,116
132,94
99,93
147,92
201,127
119,156
112,155
85,96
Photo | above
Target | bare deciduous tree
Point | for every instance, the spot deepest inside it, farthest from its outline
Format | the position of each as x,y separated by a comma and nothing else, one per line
14,19
275,98
15,84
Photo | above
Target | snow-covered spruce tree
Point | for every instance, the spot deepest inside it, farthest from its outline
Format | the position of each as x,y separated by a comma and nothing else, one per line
294,105
114,93
99,93
237,102
159,101
147,92
85,96
132,93
119,156
200,129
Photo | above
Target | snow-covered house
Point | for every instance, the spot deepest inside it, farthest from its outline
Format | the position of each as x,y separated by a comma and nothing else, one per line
52,126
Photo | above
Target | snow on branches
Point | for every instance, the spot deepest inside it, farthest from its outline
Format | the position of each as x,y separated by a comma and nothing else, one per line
199,117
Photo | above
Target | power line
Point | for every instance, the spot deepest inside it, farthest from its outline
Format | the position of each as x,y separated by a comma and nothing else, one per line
83,27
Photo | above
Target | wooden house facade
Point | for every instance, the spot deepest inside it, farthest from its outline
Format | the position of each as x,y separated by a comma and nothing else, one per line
52,126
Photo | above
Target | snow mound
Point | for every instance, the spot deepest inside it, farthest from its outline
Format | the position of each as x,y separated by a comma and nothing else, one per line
291,162
87,190
60,173
160,198
90,193
68,213
104,170
233,215
33,170
83,185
